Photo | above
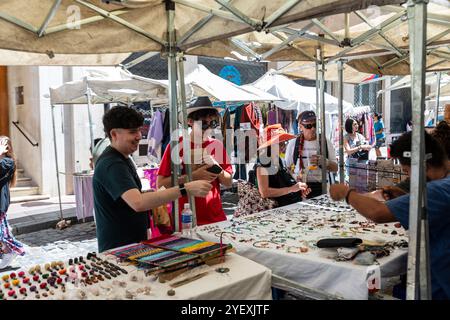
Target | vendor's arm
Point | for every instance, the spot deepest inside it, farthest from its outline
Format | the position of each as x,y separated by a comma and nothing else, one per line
145,201
349,151
370,208
199,174
267,192
225,178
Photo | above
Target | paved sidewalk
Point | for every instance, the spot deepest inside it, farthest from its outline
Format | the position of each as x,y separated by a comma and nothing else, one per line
26,217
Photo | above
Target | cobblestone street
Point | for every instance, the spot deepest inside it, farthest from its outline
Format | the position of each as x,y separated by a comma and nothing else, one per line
74,233
55,245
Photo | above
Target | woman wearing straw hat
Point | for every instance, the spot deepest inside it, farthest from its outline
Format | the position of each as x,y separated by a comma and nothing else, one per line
273,179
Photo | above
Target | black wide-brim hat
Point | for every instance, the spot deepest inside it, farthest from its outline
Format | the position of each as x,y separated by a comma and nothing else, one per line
198,103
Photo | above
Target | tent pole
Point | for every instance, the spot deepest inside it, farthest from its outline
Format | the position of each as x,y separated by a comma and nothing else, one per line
418,271
317,95
341,119
174,136
186,138
56,163
91,130
323,141
438,93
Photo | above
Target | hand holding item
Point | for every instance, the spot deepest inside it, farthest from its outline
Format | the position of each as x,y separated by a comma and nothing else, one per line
199,188
202,173
299,186
306,191
366,147
315,159
392,192
338,191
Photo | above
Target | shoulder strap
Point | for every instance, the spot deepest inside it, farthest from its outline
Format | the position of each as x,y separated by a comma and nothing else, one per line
298,150
296,147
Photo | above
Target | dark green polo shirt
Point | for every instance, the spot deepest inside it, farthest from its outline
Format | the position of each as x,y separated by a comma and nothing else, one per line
117,223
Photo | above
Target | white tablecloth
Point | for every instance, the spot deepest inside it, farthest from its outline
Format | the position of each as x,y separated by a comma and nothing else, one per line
84,195
317,268
246,280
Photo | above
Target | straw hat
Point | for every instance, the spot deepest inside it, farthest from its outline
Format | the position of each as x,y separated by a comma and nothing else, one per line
275,134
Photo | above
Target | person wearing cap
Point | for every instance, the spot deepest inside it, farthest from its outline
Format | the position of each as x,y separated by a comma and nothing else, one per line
206,152
302,155
121,209
273,179
438,198
380,137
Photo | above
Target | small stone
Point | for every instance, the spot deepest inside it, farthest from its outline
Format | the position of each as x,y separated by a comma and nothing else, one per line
384,231
397,225
171,292
394,232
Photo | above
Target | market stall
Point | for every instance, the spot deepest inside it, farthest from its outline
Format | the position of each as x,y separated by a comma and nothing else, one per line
223,20
286,239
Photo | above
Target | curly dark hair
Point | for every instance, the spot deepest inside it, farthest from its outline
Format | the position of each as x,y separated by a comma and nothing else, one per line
349,125
442,134
123,118
203,113
403,144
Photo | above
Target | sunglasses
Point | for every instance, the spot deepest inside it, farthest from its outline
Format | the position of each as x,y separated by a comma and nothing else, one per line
212,124
310,125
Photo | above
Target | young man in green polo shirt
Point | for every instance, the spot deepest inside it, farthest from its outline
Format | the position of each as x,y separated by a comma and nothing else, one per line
121,209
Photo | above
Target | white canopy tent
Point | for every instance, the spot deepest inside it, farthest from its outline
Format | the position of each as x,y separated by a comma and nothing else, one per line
204,82
405,82
109,85
295,96
106,85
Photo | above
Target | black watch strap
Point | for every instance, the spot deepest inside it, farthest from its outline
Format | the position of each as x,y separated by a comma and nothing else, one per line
182,189
348,194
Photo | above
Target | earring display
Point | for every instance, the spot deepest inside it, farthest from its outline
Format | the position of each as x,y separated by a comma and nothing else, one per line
116,274
289,236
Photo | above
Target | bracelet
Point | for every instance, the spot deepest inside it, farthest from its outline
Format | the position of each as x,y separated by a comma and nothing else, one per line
348,193
182,189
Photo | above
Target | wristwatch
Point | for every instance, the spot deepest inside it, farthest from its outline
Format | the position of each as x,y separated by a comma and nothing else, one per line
348,193
182,189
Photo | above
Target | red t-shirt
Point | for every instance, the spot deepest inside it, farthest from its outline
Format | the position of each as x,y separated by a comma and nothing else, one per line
209,209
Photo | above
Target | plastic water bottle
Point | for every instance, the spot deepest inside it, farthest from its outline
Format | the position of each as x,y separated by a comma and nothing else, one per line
186,221
77,167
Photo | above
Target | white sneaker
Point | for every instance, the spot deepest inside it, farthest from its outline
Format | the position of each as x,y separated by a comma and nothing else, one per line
7,259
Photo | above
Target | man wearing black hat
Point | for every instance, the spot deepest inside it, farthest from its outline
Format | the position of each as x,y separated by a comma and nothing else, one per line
121,209
303,158
206,153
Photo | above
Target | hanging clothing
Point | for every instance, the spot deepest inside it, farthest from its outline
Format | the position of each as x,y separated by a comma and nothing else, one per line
225,125
155,136
166,130
271,116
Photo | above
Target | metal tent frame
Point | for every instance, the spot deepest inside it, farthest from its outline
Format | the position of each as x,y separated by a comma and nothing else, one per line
241,20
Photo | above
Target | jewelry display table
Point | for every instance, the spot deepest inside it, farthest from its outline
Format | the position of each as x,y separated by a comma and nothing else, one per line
284,240
243,279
